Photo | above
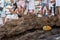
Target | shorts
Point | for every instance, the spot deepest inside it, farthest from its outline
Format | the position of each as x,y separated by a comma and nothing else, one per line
13,16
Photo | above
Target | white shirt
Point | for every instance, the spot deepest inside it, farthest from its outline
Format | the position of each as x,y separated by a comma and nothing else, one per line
57,2
50,5
31,4
2,3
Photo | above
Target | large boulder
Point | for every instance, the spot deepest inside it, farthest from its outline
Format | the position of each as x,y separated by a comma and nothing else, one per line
25,28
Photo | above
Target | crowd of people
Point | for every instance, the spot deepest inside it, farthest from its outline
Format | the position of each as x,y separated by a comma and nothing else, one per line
20,7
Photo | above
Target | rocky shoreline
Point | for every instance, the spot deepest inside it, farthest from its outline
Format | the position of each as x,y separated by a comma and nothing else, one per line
31,28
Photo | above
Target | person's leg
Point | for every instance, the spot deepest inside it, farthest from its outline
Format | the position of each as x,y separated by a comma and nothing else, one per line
3,19
59,10
31,12
22,11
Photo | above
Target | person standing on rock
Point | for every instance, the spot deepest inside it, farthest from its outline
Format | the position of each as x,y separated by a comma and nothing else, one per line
58,7
21,6
1,10
31,7
52,6
42,6
18,5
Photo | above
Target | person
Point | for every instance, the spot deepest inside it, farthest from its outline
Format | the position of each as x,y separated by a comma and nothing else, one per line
27,4
3,16
2,11
42,5
21,6
52,7
31,7
58,7
14,13
26,7
12,2
1,5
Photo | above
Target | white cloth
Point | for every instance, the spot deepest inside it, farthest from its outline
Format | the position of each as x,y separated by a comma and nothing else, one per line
50,5
10,17
14,16
39,15
31,5
57,2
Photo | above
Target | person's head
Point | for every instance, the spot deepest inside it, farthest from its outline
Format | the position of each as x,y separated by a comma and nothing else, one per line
12,1
15,5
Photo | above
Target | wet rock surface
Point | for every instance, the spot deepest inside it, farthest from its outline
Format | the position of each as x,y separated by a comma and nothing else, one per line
30,28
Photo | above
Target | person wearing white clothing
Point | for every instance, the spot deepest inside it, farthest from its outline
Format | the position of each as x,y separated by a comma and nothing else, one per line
31,7
14,13
21,6
52,7
3,16
2,10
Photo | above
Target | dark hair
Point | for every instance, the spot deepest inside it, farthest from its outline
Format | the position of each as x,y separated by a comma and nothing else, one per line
15,5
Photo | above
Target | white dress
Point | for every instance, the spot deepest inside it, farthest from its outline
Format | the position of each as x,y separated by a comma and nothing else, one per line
10,17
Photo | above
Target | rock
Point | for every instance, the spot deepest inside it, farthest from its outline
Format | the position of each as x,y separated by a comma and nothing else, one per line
29,28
